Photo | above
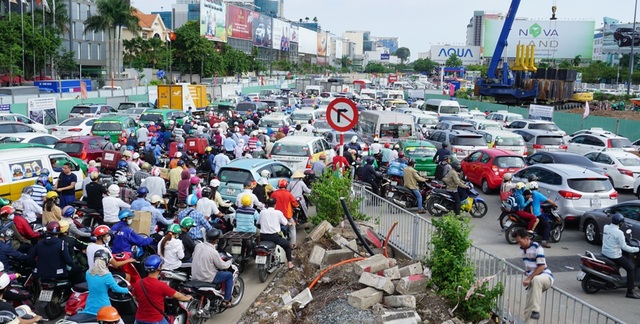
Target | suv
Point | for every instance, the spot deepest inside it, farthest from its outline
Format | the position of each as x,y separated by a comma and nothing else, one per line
595,140
453,125
86,148
233,175
539,140
504,116
625,36
536,124
461,142
91,110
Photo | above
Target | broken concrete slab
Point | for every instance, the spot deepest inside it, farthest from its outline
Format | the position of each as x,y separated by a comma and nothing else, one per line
392,273
411,270
364,298
399,317
401,301
412,285
353,244
320,231
372,264
303,298
338,239
317,255
378,282
335,256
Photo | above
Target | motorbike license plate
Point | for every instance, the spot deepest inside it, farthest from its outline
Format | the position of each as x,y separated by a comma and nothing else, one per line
45,295
394,183
508,223
581,275
236,249
390,194
261,259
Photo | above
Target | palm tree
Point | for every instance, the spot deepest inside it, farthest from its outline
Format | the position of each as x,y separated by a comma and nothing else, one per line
125,17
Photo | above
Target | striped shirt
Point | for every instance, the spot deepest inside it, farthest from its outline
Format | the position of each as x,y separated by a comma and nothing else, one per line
39,192
534,257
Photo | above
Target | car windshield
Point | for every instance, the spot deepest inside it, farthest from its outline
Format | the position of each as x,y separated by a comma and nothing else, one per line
509,162
550,140
135,111
577,160
72,122
420,151
468,141
321,124
449,110
151,117
629,161
244,107
290,149
509,141
270,122
308,102
126,105
11,139
395,130
620,143
69,147
234,175
301,116
107,126
86,110
427,120
547,127
462,127
590,185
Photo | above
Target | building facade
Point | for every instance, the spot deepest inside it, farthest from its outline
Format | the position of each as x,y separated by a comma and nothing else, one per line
390,43
90,48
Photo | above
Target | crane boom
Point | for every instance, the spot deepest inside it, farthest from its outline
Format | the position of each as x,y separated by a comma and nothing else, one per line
502,40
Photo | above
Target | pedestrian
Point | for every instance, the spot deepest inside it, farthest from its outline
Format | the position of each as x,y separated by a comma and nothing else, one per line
66,186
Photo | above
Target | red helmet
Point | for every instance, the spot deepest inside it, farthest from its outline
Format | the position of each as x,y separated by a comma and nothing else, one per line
101,230
386,145
53,227
7,210
283,183
400,154
195,180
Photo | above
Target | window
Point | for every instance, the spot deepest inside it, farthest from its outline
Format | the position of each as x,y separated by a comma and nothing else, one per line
93,145
280,171
24,120
325,145
290,149
144,36
79,50
590,140
78,11
590,185
235,175
577,140
61,160
604,159
24,129
474,157
549,177
508,162
485,158
628,211
98,48
88,51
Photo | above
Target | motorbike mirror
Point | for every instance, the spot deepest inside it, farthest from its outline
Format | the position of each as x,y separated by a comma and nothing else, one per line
628,231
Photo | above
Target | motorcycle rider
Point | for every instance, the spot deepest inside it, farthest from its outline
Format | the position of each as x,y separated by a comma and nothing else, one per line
208,266
353,144
124,192
112,205
7,310
51,211
94,192
246,216
31,208
411,179
524,200
613,243
51,255
368,174
21,226
271,221
175,175
155,184
199,220
285,202
454,184
99,281
124,236
386,154
170,248
189,245
141,201
7,252
215,184
208,207
142,174
248,189
537,199
156,215
375,148
68,216
441,153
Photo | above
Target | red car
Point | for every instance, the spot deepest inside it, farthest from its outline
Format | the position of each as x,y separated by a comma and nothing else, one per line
86,148
487,167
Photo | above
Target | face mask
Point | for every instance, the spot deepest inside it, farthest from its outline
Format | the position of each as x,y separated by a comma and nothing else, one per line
129,221
107,239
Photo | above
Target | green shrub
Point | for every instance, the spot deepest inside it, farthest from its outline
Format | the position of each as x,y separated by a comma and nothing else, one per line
155,82
326,193
452,272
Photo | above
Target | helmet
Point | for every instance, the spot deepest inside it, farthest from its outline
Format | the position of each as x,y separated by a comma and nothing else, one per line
206,192
122,164
369,160
107,137
411,162
180,163
113,190
174,228
195,180
136,155
153,262
44,172
64,226
44,179
283,183
533,185
354,139
208,149
532,177
68,211
397,146
180,146
125,214
27,190
142,191
520,185
51,195
8,317
117,146
445,145
387,145
53,227
4,280
6,233
187,222
94,175
617,219
213,234
400,154
177,155
155,171
7,210
456,166
4,202
108,314
146,166
507,177
215,183
101,230
18,205
265,173
376,140
192,200
102,254
246,200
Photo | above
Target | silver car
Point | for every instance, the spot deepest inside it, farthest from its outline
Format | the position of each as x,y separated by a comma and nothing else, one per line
574,190
540,140
594,221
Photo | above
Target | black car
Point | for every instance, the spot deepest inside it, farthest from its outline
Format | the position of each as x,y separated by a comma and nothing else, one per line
593,221
564,158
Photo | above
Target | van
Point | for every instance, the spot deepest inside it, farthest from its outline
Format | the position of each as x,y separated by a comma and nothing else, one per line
442,107
299,152
21,165
275,121
504,140
302,116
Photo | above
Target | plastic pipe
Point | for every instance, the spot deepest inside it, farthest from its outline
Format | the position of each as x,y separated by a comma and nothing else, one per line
315,280
355,228
386,240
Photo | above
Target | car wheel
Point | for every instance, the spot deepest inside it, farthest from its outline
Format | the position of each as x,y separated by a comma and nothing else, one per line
485,186
592,232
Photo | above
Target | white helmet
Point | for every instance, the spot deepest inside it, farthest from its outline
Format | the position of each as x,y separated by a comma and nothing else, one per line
178,155
533,185
265,174
507,177
215,183
4,280
354,139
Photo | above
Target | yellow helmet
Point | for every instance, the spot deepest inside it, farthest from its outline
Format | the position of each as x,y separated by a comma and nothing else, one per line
64,226
246,200
51,195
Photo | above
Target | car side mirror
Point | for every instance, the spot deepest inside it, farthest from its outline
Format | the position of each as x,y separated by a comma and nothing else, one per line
628,231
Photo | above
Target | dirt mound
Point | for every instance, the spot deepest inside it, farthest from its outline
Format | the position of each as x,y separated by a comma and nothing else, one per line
631,115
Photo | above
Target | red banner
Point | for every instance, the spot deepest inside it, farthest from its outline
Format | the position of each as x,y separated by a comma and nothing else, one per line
239,22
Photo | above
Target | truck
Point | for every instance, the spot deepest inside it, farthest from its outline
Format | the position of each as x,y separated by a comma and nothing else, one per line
182,96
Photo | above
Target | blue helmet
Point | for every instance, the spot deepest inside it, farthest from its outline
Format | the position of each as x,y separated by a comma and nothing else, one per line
126,213
153,262
142,191
617,219
44,172
122,164
129,147
192,200
44,180
180,146
68,211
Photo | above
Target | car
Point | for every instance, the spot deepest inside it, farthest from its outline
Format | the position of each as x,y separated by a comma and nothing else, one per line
164,115
254,96
303,116
504,116
626,37
321,125
621,167
333,138
274,104
23,119
484,124
461,142
299,152
91,110
539,140
86,148
535,124
275,121
486,167
414,111
134,113
113,126
123,106
427,120
592,222
9,127
564,158
33,138
248,107
596,141
453,125
574,190
233,175
422,152
73,127
504,140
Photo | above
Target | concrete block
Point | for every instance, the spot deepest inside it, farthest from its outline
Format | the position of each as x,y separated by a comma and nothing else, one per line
338,239
399,317
320,230
372,264
392,273
303,298
402,301
364,298
317,255
353,244
392,262
377,282
412,285
335,256
410,270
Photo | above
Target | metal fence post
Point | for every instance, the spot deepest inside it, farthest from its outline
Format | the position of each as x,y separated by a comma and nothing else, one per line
416,236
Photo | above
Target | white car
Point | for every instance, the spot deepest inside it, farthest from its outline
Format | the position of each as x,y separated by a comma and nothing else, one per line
536,124
77,126
31,138
622,167
590,141
23,119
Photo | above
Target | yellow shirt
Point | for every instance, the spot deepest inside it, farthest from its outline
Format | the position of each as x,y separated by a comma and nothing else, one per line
175,175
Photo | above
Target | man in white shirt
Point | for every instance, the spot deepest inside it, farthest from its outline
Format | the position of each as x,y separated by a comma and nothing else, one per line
142,134
249,191
270,221
112,204
376,147
206,206
220,160
155,184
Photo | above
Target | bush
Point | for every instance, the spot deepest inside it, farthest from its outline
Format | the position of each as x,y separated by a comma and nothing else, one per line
326,193
453,273
155,82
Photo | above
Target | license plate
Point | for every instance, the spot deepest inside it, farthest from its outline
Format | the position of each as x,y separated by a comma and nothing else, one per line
394,183
581,275
45,295
508,223
390,194
236,249
595,202
261,259
231,191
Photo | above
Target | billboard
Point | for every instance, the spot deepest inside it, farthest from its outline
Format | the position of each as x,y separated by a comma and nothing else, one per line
384,56
213,18
339,44
468,54
295,34
307,41
322,43
261,29
553,39
239,22
281,35
617,38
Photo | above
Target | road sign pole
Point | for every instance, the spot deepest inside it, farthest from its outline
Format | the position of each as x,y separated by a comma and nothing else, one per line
341,151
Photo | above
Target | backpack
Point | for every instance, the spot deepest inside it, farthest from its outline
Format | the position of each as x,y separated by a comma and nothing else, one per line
511,204
150,157
441,171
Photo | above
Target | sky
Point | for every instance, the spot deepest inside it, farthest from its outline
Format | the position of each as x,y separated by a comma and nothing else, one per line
422,23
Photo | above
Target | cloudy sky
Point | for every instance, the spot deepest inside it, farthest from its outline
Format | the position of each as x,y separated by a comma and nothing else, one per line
420,23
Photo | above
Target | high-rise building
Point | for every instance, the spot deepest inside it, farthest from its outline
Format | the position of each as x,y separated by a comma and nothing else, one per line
390,43
90,48
166,16
358,38
475,28
273,8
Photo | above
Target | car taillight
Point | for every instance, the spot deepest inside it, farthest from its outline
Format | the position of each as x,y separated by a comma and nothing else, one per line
626,172
494,168
309,162
70,116
75,130
569,194
54,129
538,146
563,147
609,143
613,195
83,156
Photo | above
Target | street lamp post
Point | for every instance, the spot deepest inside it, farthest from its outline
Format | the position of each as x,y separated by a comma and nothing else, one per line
633,40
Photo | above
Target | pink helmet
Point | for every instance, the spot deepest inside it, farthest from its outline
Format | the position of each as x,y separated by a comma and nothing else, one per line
195,180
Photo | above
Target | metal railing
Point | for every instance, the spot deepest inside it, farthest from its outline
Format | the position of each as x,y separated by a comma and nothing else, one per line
412,237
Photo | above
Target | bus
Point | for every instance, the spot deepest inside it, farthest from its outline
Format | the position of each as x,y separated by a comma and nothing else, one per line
388,126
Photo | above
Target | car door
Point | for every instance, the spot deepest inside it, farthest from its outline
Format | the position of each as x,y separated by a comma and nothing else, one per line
61,159
579,145
548,183
23,128
279,171
471,165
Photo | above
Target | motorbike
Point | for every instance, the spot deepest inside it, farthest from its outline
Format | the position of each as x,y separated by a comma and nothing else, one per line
88,217
208,297
599,272
404,197
556,223
269,257
440,202
242,247
52,297
174,278
17,295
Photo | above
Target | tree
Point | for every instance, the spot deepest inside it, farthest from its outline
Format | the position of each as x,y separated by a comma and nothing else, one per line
403,54
453,61
66,62
375,68
482,68
424,66
577,60
344,62
565,64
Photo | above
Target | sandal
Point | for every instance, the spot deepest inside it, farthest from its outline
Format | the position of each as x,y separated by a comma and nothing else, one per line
291,265
226,303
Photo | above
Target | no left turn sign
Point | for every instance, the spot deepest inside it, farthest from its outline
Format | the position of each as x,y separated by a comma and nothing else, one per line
342,114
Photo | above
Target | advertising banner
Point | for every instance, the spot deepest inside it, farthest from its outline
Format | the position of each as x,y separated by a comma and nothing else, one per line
261,29
468,54
339,45
323,40
553,39
384,57
295,34
213,18
239,23
541,112
617,38
281,35
308,41
43,110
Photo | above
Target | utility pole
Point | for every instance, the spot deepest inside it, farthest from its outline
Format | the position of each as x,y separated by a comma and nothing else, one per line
633,40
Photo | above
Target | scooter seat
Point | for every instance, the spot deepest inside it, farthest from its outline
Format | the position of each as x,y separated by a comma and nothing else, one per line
81,287
268,245
83,318
606,260
200,284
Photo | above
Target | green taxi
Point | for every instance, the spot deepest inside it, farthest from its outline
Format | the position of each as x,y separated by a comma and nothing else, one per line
165,114
422,152
113,125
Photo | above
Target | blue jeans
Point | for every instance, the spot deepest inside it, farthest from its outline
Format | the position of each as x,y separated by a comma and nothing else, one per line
227,278
163,321
418,195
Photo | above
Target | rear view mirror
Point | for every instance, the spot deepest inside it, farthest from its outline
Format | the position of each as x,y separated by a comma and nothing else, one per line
628,231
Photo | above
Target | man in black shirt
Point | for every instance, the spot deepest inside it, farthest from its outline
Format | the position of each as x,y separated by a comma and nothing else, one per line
94,192
66,186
